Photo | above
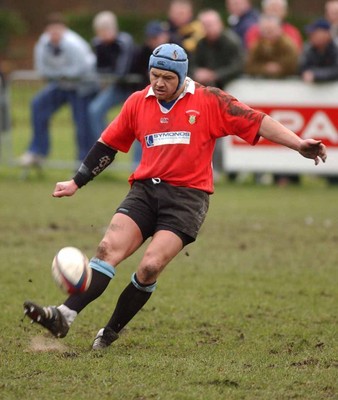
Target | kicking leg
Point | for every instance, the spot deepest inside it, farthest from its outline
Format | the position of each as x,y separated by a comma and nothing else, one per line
121,239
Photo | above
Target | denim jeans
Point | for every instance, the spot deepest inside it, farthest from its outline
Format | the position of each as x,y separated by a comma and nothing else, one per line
45,104
100,105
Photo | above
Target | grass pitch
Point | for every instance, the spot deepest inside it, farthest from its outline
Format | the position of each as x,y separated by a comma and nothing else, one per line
249,311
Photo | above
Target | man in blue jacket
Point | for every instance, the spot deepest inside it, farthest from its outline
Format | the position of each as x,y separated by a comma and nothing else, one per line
319,61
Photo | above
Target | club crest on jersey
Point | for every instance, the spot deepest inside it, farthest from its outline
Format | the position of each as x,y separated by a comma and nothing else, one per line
192,116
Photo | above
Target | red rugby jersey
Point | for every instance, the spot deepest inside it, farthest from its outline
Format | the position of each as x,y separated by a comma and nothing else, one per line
177,145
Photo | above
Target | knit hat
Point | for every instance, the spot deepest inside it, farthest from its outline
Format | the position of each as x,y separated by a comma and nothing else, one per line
320,23
170,57
155,28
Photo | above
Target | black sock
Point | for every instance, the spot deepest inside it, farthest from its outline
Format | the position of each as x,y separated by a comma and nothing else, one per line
98,284
128,305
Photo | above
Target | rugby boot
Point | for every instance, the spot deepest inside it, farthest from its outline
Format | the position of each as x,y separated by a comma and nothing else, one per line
49,317
104,338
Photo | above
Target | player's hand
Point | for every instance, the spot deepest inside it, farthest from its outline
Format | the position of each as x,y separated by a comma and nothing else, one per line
315,149
67,188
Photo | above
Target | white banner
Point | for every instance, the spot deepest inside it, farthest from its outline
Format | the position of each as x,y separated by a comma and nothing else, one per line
310,110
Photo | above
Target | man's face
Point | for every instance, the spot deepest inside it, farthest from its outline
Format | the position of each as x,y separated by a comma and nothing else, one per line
276,8
180,14
237,7
155,41
106,34
212,25
270,29
55,32
164,84
320,38
331,12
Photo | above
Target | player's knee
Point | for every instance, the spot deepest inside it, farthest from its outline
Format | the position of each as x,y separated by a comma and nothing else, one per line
111,253
102,251
147,274
149,269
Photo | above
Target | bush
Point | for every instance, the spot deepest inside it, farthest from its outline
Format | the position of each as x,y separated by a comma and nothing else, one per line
10,24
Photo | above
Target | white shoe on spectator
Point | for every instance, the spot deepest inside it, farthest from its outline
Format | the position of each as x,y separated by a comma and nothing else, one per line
29,159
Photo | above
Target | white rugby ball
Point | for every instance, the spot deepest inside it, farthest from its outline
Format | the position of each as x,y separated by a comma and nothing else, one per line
71,271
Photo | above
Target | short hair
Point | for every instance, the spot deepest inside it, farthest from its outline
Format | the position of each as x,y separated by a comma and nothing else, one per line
209,11
55,18
105,20
283,2
185,2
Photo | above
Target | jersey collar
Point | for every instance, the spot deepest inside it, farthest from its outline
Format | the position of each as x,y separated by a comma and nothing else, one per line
189,88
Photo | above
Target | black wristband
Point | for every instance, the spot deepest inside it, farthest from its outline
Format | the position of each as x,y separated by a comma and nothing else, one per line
98,159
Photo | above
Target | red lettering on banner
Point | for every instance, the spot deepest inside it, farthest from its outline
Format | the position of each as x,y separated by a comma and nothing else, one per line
306,122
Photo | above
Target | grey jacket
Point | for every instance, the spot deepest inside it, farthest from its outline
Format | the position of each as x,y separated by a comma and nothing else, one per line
72,65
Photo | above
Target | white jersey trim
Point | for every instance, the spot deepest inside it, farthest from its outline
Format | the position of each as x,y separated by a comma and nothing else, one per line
189,88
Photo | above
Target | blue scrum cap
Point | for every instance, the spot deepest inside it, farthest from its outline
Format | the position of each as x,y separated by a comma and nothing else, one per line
170,57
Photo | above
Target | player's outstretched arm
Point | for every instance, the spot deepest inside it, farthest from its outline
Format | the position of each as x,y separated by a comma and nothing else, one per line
275,132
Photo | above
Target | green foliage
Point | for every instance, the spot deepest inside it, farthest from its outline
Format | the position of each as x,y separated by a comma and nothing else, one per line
82,24
10,24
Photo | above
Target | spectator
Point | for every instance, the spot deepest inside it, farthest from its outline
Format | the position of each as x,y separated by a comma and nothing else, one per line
274,55
218,59
331,13
241,16
279,9
114,51
184,29
219,56
156,33
67,62
319,60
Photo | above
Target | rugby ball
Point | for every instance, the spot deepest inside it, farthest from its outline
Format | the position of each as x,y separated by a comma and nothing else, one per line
71,271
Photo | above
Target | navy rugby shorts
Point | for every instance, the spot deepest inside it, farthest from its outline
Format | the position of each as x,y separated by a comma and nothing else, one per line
155,205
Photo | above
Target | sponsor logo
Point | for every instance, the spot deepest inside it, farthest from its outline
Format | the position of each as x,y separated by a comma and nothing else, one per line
163,138
306,122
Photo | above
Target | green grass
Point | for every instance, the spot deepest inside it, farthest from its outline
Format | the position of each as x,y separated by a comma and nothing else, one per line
249,311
